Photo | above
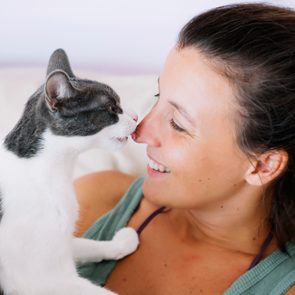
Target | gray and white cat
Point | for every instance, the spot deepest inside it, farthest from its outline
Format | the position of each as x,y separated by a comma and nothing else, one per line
65,116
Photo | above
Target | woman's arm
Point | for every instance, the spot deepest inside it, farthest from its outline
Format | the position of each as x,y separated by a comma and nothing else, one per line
97,193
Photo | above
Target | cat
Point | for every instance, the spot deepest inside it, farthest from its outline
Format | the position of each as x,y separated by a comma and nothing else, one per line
66,115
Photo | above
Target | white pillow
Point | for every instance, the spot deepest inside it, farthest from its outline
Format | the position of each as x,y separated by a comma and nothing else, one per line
136,92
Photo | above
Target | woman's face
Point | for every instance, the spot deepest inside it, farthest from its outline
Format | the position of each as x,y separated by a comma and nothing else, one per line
190,136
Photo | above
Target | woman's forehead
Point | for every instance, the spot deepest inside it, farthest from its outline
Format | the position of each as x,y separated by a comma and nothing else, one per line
190,77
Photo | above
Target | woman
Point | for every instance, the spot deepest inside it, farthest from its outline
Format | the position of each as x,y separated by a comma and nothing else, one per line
216,213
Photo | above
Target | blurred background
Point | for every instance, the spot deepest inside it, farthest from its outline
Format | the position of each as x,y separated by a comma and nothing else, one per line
113,36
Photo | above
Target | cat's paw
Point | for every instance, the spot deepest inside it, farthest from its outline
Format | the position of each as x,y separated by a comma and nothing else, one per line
126,241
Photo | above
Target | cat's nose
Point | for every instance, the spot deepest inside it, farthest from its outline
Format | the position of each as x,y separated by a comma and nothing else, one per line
135,117
131,114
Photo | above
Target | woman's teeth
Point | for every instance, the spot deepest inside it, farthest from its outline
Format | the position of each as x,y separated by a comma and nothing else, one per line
158,167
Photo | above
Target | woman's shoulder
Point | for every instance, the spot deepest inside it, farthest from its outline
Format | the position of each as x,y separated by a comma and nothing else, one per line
97,193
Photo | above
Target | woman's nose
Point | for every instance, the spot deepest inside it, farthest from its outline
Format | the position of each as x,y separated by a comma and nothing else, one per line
147,131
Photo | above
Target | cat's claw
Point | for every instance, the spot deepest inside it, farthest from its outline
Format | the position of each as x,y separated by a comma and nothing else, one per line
126,241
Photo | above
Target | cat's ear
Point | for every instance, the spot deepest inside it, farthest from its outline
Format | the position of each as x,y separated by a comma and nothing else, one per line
57,88
59,61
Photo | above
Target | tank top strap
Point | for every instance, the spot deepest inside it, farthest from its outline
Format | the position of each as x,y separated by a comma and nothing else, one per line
149,219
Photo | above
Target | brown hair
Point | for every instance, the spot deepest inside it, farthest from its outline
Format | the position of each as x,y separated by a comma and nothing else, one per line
255,44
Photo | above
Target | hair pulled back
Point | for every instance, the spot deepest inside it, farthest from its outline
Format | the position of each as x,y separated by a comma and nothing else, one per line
254,44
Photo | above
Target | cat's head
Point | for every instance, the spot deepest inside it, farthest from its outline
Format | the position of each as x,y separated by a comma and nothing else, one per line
80,107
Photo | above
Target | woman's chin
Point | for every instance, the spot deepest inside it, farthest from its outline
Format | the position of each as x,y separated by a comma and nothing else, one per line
154,193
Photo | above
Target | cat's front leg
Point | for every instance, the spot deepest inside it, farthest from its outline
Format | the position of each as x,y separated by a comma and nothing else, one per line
124,243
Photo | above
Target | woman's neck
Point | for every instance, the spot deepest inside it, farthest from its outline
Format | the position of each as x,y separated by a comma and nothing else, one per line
236,225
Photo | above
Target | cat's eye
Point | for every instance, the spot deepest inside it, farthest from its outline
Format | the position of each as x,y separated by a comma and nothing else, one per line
111,109
114,109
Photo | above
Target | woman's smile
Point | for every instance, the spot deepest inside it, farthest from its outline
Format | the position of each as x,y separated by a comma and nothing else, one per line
154,168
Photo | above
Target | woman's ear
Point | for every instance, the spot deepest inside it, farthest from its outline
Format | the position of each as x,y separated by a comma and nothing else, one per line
266,167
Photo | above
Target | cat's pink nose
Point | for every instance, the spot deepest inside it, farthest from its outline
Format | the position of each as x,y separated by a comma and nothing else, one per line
131,113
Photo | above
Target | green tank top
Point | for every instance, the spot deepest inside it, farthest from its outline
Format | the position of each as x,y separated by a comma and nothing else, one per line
274,275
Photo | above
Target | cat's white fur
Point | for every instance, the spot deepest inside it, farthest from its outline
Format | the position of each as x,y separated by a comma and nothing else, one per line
37,248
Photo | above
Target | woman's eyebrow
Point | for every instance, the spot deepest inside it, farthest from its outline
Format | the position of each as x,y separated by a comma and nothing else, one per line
182,111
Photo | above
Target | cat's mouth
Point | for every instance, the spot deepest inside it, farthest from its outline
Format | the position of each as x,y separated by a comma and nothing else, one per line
121,139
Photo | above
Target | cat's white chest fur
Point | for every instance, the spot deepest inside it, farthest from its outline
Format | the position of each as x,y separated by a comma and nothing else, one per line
33,187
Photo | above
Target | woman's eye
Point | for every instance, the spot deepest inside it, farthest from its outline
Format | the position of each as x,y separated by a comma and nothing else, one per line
175,126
